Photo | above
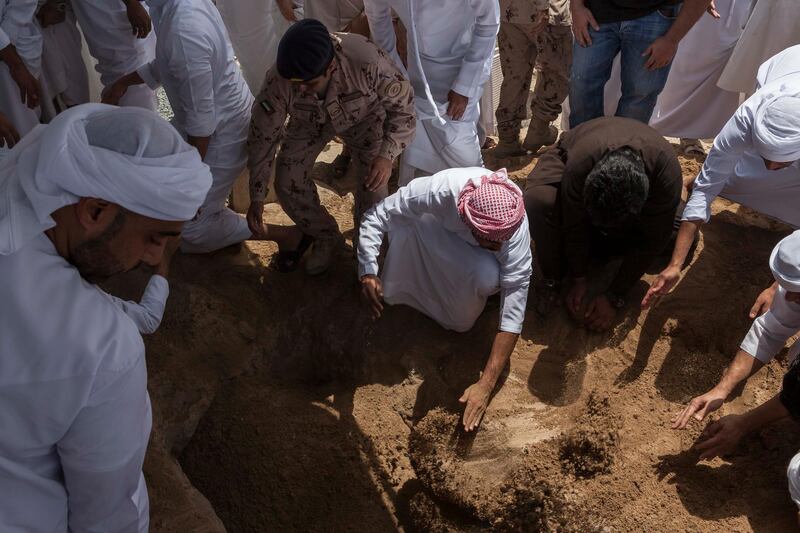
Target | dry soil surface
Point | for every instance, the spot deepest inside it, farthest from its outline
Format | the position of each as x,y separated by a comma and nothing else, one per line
280,406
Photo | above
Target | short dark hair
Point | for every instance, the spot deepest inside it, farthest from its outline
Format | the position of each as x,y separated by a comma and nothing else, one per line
616,188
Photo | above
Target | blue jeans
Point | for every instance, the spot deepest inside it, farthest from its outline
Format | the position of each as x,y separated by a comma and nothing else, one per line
591,68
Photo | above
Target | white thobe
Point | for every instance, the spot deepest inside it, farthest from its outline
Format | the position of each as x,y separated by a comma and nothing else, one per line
74,407
118,52
19,27
63,71
769,332
195,63
255,28
336,15
434,264
785,64
773,26
450,47
793,475
691,105
734,170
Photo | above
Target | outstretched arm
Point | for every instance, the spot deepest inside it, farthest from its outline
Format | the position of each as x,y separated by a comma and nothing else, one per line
477,395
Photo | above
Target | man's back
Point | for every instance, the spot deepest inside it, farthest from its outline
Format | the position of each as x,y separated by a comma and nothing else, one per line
74,410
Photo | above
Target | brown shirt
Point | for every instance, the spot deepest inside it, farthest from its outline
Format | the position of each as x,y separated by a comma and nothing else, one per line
529,11
366,86
571,159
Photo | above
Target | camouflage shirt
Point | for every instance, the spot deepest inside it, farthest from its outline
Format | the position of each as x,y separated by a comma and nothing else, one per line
366,86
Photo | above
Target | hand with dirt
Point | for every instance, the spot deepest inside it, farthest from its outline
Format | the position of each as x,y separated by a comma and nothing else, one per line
599,314
139,18
476,398
582,18
721,437
255,219
286,8
457,104
764,301
372,294
575,297
379,173
700,407
8,134
664,283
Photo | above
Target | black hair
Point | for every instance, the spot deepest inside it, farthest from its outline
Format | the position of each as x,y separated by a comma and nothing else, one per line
616,188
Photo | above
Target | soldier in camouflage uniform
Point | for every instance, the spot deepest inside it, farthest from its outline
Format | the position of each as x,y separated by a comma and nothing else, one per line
532,30
360,96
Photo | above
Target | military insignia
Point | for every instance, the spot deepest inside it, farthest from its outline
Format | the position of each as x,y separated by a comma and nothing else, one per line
265,105
394,89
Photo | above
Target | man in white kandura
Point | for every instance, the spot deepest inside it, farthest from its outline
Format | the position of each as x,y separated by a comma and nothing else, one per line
20,63
450,48
96,192
767,337
455,238
754,161
196,65
118,34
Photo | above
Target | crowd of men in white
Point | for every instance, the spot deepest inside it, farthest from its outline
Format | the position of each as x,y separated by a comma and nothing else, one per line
89,190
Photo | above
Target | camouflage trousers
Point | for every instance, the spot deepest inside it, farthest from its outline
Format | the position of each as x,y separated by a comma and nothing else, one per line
295,188
520,50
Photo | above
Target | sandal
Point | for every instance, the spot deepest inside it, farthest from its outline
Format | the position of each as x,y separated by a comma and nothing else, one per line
287,261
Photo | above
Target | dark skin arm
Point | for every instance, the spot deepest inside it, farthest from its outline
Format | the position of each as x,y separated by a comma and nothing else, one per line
668,277
477,396
28,85
112,95
661,52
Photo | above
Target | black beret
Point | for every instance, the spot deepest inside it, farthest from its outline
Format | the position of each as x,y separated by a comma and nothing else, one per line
305,51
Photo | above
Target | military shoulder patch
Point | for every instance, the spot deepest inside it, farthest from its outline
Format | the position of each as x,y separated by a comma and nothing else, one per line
265,105
394,89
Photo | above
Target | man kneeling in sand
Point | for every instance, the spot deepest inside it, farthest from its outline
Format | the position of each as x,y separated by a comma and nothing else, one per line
767,336
455,238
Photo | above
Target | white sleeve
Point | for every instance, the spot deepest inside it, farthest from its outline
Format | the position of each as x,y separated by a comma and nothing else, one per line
516,267
769,332
190,63
477,65
381,28
102,454
147,313
730,144
408,202
17,15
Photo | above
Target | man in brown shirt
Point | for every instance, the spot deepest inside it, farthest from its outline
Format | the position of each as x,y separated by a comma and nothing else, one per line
327,85
609,187
531,32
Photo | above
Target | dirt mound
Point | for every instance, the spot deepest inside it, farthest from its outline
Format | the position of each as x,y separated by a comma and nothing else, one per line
589,448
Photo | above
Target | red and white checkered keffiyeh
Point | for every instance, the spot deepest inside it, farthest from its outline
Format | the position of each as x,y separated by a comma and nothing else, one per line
494,209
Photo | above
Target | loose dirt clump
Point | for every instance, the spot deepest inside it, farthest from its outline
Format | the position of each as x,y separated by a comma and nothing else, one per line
588,449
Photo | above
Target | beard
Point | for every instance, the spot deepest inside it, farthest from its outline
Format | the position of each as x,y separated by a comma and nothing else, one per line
93,258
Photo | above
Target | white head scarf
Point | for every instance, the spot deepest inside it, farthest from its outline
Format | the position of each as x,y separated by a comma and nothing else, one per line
776,128
128,156
785,262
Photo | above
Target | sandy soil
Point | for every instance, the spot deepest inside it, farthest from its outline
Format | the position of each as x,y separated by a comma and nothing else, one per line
279,406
